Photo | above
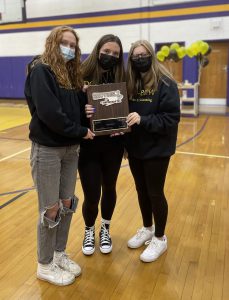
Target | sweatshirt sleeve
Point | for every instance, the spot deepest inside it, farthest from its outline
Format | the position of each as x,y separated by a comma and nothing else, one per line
168,113
44,91
83,101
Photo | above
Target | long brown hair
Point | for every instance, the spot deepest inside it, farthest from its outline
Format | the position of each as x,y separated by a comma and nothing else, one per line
90,68
67,74
149,79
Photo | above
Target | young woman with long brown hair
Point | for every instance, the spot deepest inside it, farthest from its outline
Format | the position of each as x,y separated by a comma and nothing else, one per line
51,91
100,159
154,116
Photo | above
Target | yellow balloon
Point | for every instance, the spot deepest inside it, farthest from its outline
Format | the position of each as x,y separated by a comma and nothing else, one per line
204,48
165,50
181,52
199,45
160,56
195,48
175,46
189,52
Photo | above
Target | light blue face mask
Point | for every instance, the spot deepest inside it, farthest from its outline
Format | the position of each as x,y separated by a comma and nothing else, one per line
67,53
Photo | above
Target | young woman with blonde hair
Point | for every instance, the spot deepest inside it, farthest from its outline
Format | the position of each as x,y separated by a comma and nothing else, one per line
51,91
154,116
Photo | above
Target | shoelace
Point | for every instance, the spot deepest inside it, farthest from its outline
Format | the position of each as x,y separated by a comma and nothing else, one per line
148,242
152,243
65,258
55,267
58,271
89,238
140,233
105,236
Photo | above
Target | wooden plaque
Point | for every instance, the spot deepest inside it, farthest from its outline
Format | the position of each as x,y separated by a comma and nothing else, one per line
111,108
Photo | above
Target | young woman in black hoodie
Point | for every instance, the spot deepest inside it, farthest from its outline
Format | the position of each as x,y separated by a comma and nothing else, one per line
100,159
154,116
51,91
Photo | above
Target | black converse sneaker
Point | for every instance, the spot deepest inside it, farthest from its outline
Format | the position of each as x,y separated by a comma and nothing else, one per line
88,247
105,239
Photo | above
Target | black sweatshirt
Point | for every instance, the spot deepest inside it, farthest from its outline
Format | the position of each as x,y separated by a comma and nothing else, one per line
99,142
55,111
156,134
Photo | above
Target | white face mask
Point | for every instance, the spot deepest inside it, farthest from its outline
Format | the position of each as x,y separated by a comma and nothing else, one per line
67,52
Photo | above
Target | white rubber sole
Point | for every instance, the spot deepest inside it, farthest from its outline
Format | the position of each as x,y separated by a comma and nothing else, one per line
151,259
134,247
55,283
88,252
106,251
77,274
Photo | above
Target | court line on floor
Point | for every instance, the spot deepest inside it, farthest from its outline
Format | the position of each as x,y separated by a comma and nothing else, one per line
122,166
25,191
10,128
12,139
194,154
202,154
196,134
15,154
12,200
18,191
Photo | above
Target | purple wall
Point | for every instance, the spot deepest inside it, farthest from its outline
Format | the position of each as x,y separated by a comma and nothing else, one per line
12,76
228,80
190,71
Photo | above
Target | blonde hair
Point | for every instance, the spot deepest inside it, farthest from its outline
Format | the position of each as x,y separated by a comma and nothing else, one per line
90,67
67,74
151,78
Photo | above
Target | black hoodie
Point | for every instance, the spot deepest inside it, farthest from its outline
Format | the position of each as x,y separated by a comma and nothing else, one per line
156,134
55,111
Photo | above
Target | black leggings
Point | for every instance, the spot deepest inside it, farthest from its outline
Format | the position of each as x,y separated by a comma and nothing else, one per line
149,176
98,171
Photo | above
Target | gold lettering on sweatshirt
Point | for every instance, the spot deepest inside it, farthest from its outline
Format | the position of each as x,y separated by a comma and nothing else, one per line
146,92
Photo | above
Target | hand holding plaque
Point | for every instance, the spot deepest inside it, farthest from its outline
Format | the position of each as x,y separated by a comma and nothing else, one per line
111,108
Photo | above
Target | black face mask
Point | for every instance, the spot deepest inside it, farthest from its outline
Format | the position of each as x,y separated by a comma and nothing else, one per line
142,64
107,62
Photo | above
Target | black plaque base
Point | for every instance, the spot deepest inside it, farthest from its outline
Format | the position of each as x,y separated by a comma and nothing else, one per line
111,124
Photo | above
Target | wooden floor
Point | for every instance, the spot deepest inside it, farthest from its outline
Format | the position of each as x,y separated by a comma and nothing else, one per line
196,265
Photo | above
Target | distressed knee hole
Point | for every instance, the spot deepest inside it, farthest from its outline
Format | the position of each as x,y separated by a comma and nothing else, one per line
72,207
51,215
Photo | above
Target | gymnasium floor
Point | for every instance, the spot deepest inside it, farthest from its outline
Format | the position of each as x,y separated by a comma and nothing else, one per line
196,265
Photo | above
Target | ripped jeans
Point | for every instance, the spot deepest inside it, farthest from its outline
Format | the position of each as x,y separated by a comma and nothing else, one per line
54,171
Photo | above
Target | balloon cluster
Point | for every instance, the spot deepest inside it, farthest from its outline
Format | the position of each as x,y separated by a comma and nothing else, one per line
175,52
200,50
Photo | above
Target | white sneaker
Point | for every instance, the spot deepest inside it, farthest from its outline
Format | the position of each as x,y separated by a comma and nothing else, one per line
54,274
155,249
64,262
141,237
88,247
